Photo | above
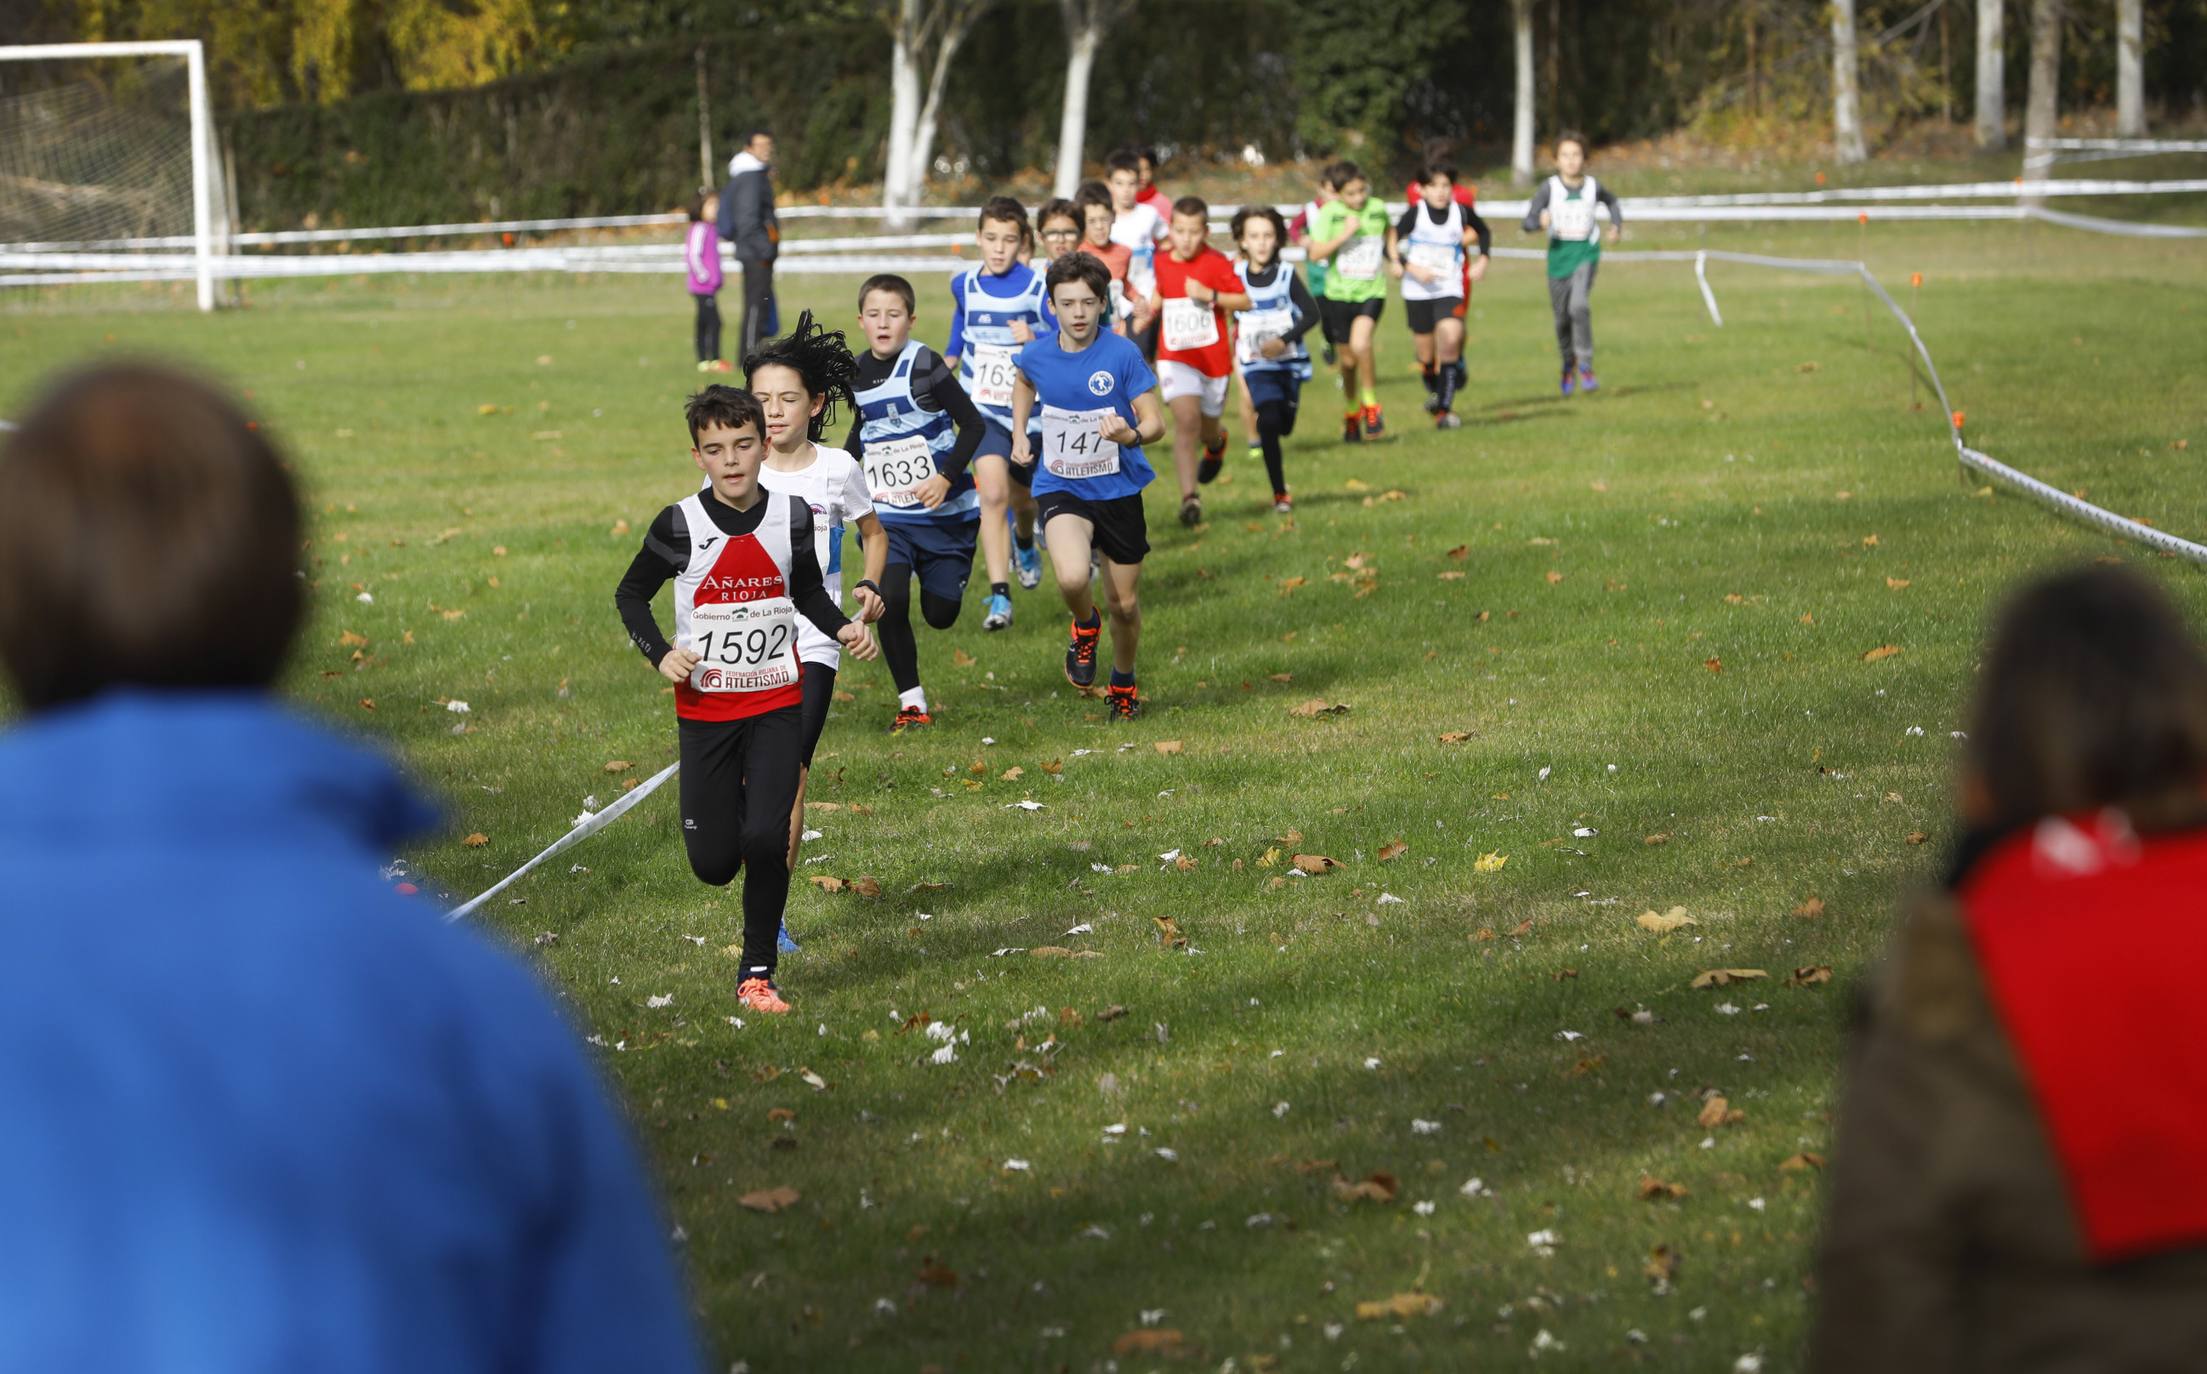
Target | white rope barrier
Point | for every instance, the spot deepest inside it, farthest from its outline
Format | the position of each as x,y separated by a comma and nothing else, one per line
583,829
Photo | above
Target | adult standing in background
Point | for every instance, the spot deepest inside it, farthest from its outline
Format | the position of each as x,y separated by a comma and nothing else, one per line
747,221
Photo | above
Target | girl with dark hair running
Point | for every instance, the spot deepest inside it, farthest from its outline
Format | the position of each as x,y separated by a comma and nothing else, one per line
798,380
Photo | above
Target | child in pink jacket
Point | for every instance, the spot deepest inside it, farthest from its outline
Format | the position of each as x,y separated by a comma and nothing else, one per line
701,259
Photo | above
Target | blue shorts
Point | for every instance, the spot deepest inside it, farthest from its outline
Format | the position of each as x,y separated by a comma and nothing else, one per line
997,443
1274,384
940,554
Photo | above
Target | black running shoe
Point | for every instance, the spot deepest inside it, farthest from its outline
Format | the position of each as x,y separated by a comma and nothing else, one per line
1080,653
1124,702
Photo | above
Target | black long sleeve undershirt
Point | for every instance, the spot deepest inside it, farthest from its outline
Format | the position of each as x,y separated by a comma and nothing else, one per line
935,383
1409,223
666,552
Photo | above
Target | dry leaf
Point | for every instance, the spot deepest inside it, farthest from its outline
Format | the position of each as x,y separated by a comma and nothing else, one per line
826,883
1896,583
1714,1113
773,1114
1674,919
1393,849
962,658
1012,775
1810,909
476,840
1153,1340
1378,1187
935,1274
1882,651
1315,863
1869,541
1714,665
1662,1265
1167,746
350,640
1653,1189
1317,706
769,1199
1809,975
1524,927
1553,577
1289,584
1725,977
1489,862
1802,1162
867,887
1455,737
1660,837
1460,552
618,766
1169,934
1399,1306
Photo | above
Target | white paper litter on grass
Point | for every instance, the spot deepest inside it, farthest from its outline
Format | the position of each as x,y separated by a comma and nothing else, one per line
1023,806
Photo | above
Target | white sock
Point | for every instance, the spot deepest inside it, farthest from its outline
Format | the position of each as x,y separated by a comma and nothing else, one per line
916,699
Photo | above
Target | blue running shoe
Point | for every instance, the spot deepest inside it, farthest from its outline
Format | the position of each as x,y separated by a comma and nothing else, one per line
1028,562
1569,380
1587,383
785,942
999,616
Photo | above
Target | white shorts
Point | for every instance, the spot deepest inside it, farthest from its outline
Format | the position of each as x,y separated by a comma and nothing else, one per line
1177,379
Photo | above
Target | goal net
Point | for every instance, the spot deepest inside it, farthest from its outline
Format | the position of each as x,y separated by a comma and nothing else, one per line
106,161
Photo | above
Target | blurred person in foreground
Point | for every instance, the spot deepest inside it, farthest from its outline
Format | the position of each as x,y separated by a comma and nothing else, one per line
261,1113
2019,1179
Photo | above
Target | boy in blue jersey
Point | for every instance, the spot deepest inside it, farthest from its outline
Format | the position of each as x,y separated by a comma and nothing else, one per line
999,307
1098,406
915,437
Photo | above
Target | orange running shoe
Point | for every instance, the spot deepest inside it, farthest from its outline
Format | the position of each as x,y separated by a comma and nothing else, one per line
760,995
907,718
1080,653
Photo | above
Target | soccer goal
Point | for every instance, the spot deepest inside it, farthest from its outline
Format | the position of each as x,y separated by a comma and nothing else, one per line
106,147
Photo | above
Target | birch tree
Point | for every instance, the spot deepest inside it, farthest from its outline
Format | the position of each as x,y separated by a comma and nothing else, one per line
925,36
2042,102
1992,66
1521,123
1846,99
1086,23
2130,77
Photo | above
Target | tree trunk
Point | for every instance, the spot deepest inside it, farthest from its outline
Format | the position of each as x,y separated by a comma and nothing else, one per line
2130,83
1846,103
923,134
1080,64
904,118
1992,108
1521,124
2042,104
705,175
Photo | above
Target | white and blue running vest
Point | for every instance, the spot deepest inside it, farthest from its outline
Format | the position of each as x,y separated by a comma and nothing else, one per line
889,412
1267,304
988,322
1437,246
1574,217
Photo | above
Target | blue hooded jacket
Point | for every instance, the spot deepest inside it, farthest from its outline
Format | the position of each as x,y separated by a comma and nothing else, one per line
259,1113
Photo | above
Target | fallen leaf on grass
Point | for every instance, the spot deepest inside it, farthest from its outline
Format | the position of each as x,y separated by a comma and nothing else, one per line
1315,863
1012,775
1318,706
476,840
1460,552
1662,1265
773,1114
1156,1340
1725,977
1377,1187
826,883
1399,1306
1660,837
1811,909
1393,849
1167,746
618,766
1882,651
1525,927
1455,737
1169,933
1489,862
935,1274
351,640
1809,975
1896,583
769,1199
1653,1189
962,658
1289,584
1715,1112
1553,577
1674,919
1917,837
1714,665
1802,1162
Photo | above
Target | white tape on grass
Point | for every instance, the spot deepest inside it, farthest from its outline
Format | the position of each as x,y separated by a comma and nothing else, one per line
581,832
2073,506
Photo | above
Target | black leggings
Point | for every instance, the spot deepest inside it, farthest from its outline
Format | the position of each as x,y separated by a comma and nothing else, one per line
819,680
898,645
1275,421
758,302
739,782
708,328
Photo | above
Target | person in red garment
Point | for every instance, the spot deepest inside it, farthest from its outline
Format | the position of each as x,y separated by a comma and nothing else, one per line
2016,1182
1196,289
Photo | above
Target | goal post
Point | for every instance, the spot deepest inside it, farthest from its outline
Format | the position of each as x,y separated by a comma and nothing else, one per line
202,130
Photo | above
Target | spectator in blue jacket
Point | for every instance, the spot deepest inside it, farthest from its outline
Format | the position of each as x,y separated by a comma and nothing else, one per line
260,1112
747,221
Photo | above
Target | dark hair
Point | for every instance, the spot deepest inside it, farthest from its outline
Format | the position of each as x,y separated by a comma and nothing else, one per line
697,206
1192,205
1004,210
1436,169
1093,193
1124,160
822,361
1264,212
1340,174
756,131
1085,268
1148,152
892,283
2093,694
1059,209
730,407
1571,136
149,537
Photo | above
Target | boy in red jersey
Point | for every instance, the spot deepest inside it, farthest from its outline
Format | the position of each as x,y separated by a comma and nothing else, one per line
744,568
1196,286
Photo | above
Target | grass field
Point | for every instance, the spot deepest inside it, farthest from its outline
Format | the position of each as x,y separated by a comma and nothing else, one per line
1642,618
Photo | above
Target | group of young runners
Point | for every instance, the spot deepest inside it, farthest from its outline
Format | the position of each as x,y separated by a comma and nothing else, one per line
1101,326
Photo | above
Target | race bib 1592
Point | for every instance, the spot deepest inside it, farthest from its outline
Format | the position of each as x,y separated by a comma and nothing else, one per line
744,646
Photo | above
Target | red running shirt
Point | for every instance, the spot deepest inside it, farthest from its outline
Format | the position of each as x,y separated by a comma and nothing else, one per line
1215,270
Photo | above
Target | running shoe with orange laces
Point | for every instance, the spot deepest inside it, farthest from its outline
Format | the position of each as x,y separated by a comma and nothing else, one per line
760,995
907,717
1080,653
1124,703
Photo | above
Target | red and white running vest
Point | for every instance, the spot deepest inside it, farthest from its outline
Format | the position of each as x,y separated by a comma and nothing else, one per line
732,608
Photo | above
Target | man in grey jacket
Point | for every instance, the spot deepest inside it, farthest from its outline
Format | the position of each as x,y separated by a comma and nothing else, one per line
747,221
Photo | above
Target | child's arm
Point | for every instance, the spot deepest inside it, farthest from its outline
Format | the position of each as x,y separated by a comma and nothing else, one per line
955,347
1306,309
1603,195
1148,426
1228,292
665,551
875,541
1476,228
1536,214
952,400
1023,404
809,590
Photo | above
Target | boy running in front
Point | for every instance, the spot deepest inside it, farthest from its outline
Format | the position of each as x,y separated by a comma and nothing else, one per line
999,307
1432,241
1565,206
1352,235
1099,406
917,432
798,380
1268,338
1196,286
744,570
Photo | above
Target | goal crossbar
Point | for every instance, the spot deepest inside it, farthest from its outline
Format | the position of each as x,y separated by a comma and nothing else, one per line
194,54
